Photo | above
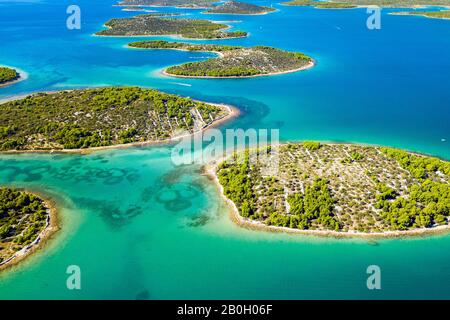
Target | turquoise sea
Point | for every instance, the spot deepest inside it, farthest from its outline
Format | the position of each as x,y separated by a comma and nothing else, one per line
140,227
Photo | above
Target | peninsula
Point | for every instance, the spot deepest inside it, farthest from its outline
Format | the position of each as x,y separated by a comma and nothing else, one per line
102,117
235,7
444,14
233,61
8,76
25,221
150,25
337,189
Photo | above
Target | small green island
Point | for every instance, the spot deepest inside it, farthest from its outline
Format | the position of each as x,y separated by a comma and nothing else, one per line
444,14
349,4
337,189
150,25
235,7
135,8
25,221
102,117
320,4
233,61
8,75
169,3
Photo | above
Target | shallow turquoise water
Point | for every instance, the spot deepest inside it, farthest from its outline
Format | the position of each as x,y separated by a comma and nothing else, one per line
139,227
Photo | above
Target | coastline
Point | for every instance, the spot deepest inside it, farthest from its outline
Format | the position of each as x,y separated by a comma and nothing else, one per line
241,14
416,15
176,36
309,65
362,6
220,54
233,112
52,227
158,6
210,170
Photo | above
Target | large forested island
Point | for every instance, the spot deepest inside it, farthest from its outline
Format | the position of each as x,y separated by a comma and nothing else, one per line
169,3
235,7
8,75
444,14
347,4
233,61
24,218
100,117
344,188
150,25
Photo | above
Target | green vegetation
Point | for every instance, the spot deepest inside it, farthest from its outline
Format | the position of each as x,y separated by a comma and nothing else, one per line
163,14
168,3
338,187
234,61
311,145
150,25
162,44
133,9
23,216
344,4
315,206
444,14
428,200
238,186
235,7
7,75
320,4
398,3
99,117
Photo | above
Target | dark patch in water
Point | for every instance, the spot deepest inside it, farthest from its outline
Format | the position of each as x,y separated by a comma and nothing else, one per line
175,175
109,211
14,172
73,171
148,193
143,295
177,205
199,220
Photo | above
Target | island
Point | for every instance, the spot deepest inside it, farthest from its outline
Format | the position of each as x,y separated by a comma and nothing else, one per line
320,4
8,76
232,61
136,8
164,14
98,118
235,7
150,25
169,3
443,14
337,189
348,4
26,220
